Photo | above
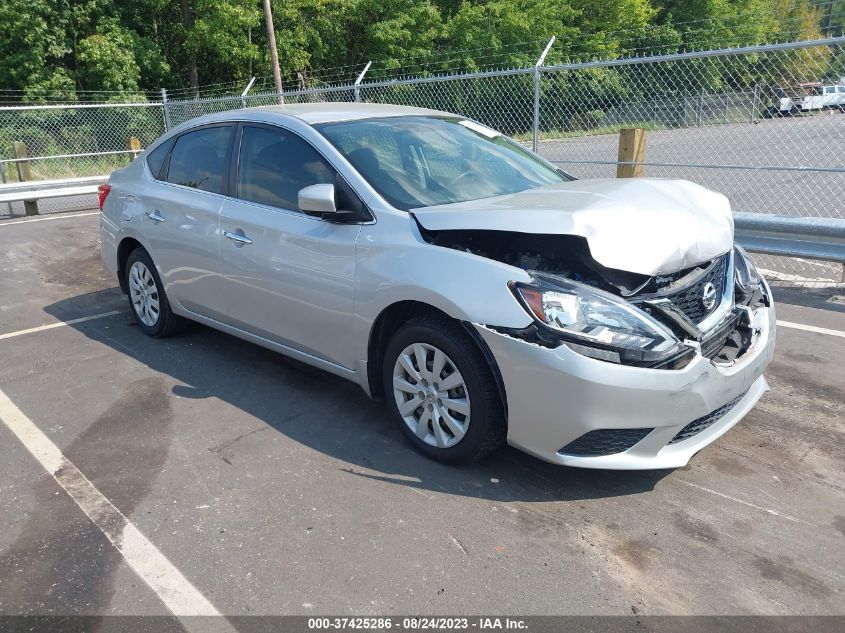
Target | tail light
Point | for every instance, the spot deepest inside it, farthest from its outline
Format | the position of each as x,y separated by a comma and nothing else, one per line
102,194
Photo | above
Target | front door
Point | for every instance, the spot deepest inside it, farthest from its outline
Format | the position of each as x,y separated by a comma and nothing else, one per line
289,277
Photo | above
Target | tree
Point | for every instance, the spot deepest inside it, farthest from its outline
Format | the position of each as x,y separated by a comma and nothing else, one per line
219,40
116,59
105,62
63,48
30,42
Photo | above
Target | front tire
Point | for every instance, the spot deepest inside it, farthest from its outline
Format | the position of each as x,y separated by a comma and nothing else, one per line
442,391
147,298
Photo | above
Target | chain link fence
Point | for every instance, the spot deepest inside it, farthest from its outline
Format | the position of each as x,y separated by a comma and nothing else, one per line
66,141
763,124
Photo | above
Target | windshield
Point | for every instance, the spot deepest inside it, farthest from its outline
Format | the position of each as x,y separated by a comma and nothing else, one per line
419,161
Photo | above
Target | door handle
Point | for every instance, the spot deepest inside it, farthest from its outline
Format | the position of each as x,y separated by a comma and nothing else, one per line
155,216
238,238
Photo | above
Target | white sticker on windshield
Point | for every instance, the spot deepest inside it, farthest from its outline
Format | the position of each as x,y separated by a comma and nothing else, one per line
477,127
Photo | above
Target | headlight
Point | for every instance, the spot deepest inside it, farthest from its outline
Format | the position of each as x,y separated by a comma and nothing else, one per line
590,317
747,279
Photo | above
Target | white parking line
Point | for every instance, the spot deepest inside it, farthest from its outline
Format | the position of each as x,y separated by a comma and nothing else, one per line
58,216
168,583
51,326
811,328
747,503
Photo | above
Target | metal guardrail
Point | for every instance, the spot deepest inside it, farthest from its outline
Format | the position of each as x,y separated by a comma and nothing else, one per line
42,189
811,238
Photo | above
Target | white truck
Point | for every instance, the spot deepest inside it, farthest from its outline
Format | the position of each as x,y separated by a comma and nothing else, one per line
816,96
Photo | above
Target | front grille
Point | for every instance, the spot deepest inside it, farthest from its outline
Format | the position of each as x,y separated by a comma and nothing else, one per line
604,442
697,426
690,299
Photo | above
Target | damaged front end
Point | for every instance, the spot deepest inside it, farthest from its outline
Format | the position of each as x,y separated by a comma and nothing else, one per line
656,321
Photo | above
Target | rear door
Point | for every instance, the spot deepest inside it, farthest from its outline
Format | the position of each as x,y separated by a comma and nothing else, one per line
288,276
181,218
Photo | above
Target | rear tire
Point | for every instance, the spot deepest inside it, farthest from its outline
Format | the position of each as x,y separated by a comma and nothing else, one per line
433,363
147,298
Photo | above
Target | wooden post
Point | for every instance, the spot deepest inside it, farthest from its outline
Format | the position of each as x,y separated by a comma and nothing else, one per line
134,146
30,206
631,153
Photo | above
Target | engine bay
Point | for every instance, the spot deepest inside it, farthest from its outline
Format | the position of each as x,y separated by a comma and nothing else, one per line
569,256
564,255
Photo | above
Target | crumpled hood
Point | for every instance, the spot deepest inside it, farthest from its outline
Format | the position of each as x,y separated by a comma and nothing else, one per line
645,226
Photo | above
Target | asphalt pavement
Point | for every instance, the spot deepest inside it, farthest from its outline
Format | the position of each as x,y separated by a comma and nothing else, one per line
275,488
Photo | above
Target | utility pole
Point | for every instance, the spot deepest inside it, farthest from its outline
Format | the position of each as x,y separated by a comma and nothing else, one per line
188,21
274,52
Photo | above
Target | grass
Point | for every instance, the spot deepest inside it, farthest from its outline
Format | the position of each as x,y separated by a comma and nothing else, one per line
54,168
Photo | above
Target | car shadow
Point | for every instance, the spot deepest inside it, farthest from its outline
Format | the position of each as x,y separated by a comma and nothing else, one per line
332,415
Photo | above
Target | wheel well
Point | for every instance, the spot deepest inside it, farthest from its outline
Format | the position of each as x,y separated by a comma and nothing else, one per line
391,319
126,246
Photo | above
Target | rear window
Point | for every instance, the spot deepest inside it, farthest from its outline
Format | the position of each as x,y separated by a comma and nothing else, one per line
155,159
199,159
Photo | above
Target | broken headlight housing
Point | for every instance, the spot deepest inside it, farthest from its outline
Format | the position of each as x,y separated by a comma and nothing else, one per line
748,282
596,323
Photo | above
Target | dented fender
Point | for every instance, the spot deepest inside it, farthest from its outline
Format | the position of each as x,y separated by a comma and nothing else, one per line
466,287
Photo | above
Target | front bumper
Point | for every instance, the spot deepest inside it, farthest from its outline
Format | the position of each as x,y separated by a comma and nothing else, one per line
555,396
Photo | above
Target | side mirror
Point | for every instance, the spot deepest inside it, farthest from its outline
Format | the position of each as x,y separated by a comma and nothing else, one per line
317,199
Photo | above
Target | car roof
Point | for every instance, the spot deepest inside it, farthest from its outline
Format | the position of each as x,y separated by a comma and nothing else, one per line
313,113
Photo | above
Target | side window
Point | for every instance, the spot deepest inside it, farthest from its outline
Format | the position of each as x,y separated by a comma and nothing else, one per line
155,159
274,165
198,159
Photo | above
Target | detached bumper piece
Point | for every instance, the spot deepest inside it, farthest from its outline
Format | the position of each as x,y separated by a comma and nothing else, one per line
698,425
604,442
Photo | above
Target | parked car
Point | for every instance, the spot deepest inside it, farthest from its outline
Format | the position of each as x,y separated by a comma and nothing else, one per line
486,295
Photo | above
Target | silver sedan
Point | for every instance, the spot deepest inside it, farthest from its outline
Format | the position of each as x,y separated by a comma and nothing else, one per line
483,293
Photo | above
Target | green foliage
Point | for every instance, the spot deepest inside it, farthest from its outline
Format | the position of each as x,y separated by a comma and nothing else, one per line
63,50
28,40
219,38
56,83
106,60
